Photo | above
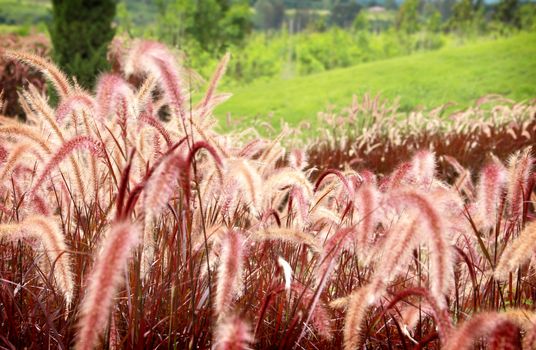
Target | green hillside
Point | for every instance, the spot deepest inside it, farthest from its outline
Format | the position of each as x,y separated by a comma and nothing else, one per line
462,75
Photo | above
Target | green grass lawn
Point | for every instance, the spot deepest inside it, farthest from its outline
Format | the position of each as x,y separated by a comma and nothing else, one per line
17,12
506,66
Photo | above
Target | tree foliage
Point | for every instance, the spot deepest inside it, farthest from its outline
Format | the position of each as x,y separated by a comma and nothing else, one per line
343,14
269,14
80,32
407,18
212,25
507,12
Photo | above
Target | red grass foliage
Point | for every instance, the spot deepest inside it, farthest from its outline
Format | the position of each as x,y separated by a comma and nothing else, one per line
373,134
176,236
14,74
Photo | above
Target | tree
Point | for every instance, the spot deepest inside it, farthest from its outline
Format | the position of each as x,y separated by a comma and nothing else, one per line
343,14
433,23
507,12
527,16
269,14
466,17
212,24
81,31
390,4
407,18
361,22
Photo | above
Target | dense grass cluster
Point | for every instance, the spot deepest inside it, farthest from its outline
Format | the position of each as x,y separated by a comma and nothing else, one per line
372,133
13,74
119,230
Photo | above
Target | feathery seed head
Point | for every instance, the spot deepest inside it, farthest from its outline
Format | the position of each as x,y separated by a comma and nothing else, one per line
520,167
433,231
233,334
112,92
103,282
489,190
73,103
229,271
517,252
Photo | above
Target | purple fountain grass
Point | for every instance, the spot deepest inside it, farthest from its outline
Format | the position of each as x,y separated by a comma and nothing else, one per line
439,312
27,132
401,239
530,337
423,169
41,206
505,336
68,147
3,154
229,200
333,248
246,180
520,166
517,253
397,178
287,178
46,231
307,298
162,182
433,231
489,191
216,77
190,162
39,105
58,79
463,182
368,204
233,334
15,155
297,159
318,313
103,282
242,230
287,272
155,58
157,124
321,216
338,174
355,316
481,324
287,235
251,148
73,103
298,198
113,92
144,93
229,271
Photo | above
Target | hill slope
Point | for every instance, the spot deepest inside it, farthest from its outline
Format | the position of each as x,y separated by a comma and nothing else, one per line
462,75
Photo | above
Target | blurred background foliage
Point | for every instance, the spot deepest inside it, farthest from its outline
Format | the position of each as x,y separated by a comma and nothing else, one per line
284,38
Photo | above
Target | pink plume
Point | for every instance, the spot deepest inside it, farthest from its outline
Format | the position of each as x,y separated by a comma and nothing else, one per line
489,190
73,103
229,271
78,142
103,282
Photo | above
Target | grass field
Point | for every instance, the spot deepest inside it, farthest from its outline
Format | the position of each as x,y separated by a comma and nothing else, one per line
461,75
24,11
